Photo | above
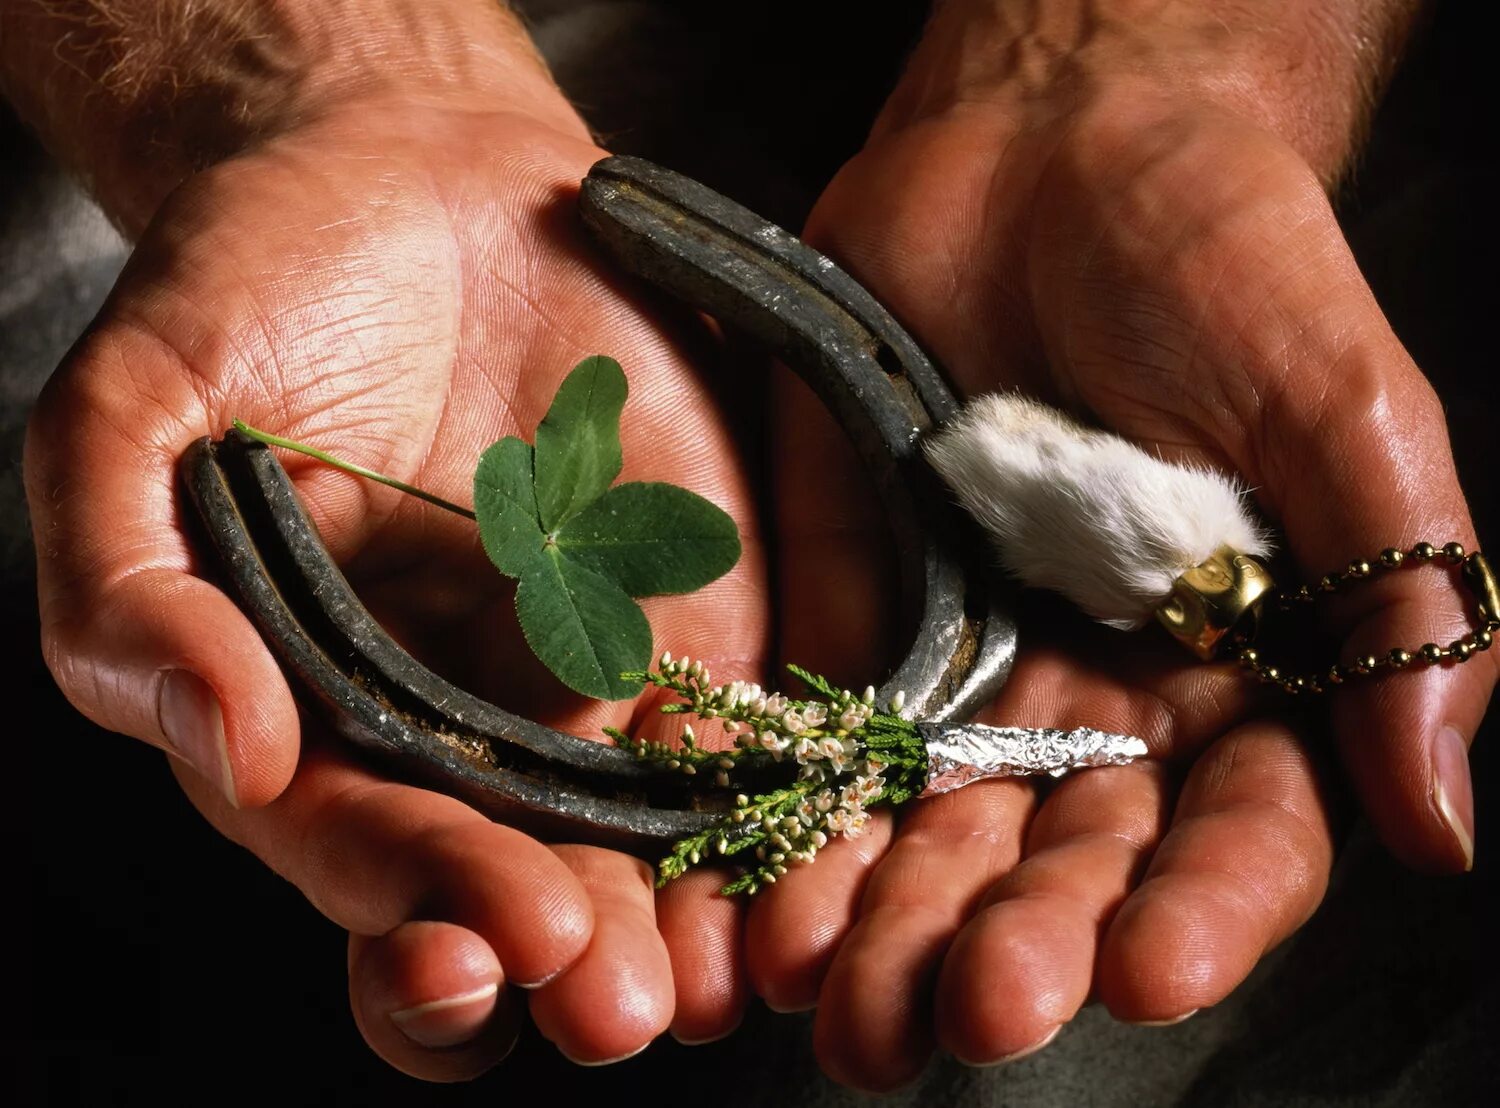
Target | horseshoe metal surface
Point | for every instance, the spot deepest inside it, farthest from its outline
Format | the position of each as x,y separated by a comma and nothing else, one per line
757,280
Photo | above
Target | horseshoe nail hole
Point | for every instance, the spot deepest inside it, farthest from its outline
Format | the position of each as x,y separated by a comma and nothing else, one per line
889,361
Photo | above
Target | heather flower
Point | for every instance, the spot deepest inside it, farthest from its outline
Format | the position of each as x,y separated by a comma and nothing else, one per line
837,776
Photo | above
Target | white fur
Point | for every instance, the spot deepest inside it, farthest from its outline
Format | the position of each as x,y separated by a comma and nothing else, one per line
1084,512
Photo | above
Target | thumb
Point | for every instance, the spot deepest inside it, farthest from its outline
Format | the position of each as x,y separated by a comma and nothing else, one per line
135,640
1219,306
1365,485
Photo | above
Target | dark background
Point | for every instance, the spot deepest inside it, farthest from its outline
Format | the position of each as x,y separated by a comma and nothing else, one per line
158,963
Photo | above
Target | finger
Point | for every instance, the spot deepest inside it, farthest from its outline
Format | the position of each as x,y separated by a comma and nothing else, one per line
1239,324
134,640
1024,965
794,928
619,995
1245,863
1376,474
1101,679
873,1027
836,554
835,546
1405,736
428,999
373,854
704,933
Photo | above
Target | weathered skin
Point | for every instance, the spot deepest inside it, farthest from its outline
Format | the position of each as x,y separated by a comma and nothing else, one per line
719,258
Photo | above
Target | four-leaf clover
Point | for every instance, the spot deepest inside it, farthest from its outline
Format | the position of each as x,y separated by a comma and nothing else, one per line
579,549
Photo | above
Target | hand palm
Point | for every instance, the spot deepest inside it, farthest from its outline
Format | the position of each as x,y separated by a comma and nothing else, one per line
402,292
1132,274
410,339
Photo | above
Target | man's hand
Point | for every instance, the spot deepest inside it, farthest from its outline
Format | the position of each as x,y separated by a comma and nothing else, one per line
390,267
1127,216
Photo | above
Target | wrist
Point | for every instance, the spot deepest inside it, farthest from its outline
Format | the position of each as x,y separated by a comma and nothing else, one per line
1304,71
464,53
135,99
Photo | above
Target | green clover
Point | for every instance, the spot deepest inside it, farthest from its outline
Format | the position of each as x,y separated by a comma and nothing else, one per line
579,546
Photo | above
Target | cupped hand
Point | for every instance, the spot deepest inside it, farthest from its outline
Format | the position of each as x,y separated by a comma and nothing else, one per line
400,281
1148,252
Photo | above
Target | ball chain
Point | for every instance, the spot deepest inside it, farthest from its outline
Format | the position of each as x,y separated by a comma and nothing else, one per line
1368,665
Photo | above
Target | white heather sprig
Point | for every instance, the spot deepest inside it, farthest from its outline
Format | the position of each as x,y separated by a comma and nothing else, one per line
848,758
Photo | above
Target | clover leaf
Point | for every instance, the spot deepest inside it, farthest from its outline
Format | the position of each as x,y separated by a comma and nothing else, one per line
578,443
505,505
652,539
582,626
581,549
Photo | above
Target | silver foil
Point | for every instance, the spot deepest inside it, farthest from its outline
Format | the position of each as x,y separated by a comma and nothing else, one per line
959,753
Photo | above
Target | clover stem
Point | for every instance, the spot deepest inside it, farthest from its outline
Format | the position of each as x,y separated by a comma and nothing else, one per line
349,467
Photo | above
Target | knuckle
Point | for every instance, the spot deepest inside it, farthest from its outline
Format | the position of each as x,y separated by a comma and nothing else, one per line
1367,415
124,381
78,646
1122,804
74,673
1195,239
106,409
445,854
1047,895
598,869
1353,392
324,855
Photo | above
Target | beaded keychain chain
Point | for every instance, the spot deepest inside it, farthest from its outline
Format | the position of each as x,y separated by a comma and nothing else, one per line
1474,571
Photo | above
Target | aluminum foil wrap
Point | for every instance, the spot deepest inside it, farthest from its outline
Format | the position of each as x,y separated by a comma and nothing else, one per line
958,753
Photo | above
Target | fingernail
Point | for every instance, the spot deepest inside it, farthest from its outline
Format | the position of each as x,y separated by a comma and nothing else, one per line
1168,1022
1007,1059
1453,789
451,1021
792,1009
193,724
701,1042
551,977
604,1061
719,1037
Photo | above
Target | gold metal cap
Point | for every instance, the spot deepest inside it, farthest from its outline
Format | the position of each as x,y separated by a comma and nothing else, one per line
1213,598
1481,581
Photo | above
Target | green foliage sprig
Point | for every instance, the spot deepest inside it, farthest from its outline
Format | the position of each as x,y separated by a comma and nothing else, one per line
851,759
